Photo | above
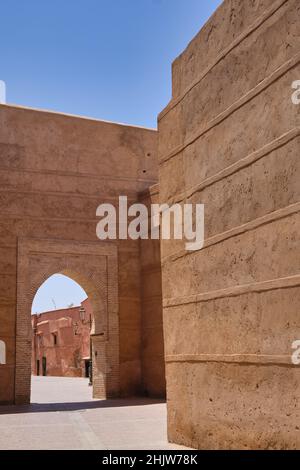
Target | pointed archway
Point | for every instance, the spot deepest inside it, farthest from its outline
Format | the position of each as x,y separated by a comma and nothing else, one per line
94,267
62,317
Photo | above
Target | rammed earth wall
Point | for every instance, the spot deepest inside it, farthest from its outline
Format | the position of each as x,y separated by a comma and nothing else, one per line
230,138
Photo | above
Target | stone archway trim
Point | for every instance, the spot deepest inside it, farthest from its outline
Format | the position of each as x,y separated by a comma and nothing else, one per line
95,266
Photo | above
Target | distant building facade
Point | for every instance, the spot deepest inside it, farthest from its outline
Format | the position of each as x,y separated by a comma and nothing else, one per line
61,342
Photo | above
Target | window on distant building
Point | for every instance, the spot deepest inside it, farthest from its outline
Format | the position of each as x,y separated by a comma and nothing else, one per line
54,339
75,329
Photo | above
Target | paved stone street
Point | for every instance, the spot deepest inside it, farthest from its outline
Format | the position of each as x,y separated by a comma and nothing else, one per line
63,415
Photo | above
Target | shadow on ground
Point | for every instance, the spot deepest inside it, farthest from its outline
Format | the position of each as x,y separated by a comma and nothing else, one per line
89,405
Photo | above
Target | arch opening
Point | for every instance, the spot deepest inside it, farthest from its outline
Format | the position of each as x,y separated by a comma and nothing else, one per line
62,319
95,268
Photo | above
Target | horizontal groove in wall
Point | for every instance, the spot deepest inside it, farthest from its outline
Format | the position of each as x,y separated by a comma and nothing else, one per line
108,244
251,359
121,248
240,164
244,228
49,218
132,196
236,291
7,216
7,301
73,174
67,253
235,106
248,31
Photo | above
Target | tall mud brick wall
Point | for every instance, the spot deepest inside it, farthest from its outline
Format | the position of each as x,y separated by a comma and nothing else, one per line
152,353
55,170
230,138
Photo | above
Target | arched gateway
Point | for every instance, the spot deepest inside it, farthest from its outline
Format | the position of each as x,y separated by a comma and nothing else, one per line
94,266
55,171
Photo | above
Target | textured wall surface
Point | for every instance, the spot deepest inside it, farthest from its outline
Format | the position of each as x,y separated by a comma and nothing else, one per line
54,172
153,363
230,138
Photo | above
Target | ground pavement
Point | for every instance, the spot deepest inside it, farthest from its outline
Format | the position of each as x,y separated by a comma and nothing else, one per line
63,415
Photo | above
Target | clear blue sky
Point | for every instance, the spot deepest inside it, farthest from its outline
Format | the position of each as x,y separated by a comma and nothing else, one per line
108,59
57,292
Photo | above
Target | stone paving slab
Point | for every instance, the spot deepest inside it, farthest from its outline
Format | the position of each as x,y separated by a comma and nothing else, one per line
63,415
